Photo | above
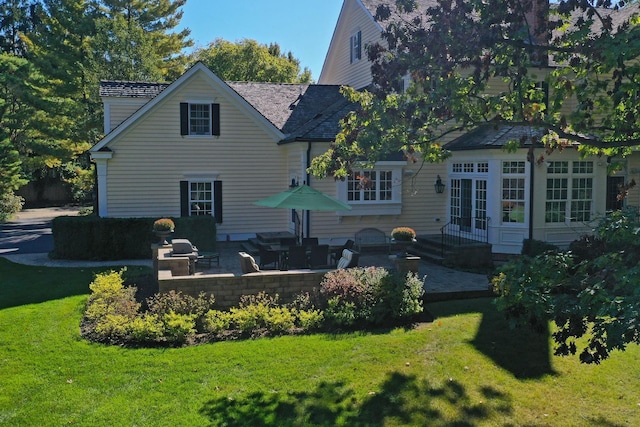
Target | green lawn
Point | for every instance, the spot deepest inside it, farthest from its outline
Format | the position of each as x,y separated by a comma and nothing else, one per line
465,368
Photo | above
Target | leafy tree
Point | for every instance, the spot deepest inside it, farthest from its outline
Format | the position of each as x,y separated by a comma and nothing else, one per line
570,68
247,60
139,35
69,46
17,17
590,292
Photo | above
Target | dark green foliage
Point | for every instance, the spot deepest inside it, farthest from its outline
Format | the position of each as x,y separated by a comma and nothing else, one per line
456,52
200,230
591,294
91,237
369,296
532,247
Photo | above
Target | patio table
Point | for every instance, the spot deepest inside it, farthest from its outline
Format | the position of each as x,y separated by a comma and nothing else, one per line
276,237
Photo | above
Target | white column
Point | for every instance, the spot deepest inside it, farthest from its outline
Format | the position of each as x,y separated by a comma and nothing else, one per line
102,159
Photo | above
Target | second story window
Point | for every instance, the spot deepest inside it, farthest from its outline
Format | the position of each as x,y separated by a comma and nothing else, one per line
356,46
199,119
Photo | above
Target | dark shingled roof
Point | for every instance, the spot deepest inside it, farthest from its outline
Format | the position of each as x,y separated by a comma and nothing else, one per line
301,111
494,136
124,89
289,106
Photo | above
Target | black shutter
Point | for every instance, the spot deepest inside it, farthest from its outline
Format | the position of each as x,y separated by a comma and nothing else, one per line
359,52
217,201
184,118
215,119
351,42
184,198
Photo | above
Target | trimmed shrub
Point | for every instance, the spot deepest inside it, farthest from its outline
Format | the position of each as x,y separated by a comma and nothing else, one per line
179,303
94,238
10,204
261,314
179,327
372,295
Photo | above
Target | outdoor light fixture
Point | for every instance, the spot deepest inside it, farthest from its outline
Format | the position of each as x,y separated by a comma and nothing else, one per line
294,184
439,185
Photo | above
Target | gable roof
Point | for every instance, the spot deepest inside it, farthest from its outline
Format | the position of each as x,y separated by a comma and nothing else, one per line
295,111
198,68
289,107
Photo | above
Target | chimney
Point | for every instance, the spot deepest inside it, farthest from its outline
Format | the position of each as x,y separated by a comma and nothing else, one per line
537,20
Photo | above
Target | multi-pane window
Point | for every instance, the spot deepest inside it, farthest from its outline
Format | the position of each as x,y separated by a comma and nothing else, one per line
513,191
200,119
481,205
370,185
456,201
569,191
356,46
200,198
470,167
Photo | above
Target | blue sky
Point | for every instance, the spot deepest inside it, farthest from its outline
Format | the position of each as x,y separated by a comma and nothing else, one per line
303,27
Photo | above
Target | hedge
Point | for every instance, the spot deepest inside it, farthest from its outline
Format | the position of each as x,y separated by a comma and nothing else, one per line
94,238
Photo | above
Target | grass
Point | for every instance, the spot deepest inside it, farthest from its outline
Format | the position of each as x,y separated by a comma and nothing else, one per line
466,368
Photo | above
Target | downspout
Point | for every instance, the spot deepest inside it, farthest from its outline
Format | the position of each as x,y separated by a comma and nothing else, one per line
308,182
531,159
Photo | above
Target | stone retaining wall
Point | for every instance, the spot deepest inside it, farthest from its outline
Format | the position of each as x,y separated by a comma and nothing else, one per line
228,288
173,274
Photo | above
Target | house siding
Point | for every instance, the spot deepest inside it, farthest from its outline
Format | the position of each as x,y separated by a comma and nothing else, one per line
119,109
247,161
338,68
422,208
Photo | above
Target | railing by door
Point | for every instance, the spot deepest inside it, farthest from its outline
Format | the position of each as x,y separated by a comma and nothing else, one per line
464,230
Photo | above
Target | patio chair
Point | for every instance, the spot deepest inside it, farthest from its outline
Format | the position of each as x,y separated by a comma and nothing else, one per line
268,257
247,263
348,259
337,253
319,256
297,257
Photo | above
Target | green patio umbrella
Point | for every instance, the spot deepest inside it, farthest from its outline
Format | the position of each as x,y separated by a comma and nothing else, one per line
305,198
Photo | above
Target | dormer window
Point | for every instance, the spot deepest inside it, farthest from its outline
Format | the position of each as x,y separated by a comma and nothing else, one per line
199,119
356,46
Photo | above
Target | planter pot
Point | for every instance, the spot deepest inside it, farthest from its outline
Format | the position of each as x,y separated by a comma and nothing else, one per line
402,245
162,236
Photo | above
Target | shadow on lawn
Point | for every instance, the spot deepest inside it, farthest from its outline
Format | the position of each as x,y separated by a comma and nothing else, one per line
26,284
402,400
521,351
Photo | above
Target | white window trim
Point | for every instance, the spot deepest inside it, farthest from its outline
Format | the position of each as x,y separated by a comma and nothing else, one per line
569,176
353,57
377,207
200,101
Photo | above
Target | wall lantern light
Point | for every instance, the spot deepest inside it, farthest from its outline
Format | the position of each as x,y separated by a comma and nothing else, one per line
439,185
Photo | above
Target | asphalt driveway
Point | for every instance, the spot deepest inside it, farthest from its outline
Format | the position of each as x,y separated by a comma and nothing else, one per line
30,231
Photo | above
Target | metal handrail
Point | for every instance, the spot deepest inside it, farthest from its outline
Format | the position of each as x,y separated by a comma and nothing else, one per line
452,234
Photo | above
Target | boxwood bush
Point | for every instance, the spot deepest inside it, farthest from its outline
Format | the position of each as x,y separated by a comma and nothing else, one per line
94,238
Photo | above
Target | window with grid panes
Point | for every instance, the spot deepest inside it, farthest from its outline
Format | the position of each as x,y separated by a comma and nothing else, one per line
370,185
569,191
200,198
513,191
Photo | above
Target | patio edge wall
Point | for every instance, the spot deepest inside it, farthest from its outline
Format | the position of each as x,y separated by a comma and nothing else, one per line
228,288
